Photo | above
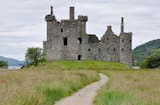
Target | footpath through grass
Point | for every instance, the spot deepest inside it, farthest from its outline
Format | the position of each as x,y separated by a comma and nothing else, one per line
133,87
48,83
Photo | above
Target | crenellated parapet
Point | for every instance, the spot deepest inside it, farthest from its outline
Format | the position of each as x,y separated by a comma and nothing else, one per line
83,18
50,17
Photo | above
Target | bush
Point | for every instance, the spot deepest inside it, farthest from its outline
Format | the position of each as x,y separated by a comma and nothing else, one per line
3,64
152,61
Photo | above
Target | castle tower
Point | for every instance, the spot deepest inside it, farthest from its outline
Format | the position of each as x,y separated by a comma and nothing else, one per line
51,49
125,45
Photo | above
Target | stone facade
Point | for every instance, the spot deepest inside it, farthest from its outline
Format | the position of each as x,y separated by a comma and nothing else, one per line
68,40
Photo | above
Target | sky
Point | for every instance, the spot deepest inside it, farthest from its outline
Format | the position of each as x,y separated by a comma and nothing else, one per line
22,23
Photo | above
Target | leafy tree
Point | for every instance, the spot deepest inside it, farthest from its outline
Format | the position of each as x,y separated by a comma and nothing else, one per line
152,61
3,64
34,56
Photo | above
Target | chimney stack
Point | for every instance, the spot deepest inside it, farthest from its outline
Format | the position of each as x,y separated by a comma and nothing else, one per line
72,13
122,25
51,10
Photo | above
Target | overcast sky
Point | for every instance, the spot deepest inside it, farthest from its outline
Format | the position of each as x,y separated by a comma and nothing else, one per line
22,22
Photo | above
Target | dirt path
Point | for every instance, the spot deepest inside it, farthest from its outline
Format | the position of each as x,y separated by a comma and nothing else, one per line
86,95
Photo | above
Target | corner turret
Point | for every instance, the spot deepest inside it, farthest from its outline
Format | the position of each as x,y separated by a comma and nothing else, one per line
50,17
83,18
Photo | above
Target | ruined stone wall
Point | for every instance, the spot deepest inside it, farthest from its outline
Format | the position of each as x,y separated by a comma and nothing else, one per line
110,46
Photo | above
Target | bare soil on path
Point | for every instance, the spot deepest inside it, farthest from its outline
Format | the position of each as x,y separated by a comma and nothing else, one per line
86,95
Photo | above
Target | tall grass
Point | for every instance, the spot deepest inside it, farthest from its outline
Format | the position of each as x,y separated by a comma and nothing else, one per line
130,88
41,86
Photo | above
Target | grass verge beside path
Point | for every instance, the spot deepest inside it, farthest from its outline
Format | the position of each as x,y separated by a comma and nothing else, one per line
130,88
41,87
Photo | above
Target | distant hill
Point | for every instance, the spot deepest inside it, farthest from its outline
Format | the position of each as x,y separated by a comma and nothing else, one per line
11,61
145,50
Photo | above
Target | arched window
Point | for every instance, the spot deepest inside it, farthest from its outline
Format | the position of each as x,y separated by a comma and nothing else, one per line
80,40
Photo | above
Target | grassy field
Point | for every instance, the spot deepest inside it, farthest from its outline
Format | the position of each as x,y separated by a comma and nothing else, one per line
41,86
48,83
130,88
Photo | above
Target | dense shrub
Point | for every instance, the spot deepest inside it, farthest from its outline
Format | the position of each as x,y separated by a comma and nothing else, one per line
3,64
152,61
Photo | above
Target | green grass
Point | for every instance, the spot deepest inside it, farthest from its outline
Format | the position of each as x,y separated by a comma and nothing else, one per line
84,65
133,87
114,98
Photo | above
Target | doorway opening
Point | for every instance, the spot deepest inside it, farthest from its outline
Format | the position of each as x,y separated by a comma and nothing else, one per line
79,57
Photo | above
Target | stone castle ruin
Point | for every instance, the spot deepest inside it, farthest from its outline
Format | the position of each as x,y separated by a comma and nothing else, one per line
68,40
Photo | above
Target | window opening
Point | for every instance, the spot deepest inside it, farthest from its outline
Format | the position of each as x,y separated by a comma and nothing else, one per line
122,49
114,49
61,29
80,40
65,41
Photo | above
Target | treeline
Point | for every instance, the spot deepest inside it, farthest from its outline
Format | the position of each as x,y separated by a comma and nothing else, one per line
152,61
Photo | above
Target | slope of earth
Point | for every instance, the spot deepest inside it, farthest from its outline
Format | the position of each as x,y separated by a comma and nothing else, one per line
143,51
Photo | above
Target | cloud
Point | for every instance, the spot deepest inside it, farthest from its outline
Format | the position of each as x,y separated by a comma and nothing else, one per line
23,25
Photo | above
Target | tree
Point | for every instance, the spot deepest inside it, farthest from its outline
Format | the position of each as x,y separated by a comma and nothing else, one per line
3,64
34,56
152,61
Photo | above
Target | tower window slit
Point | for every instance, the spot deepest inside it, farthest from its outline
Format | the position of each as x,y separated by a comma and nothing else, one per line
65,41
114,49
122,49
61,29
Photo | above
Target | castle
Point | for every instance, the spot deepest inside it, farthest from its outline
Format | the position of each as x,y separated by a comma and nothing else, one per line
68,40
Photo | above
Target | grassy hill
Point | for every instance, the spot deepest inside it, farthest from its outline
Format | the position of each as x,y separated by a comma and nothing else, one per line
145,50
